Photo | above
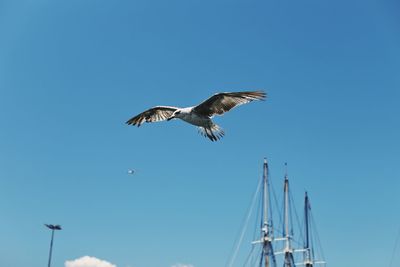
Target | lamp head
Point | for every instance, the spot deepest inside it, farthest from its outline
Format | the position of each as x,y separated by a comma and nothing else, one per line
53,226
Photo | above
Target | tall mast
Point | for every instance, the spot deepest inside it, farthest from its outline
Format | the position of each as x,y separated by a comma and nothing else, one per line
265,196
309,256
308,261
289,260
267,257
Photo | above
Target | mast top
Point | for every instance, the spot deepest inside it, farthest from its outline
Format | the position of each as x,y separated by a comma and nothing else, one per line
286,171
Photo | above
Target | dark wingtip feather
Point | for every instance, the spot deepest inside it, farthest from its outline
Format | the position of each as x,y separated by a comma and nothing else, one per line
259,95
134,121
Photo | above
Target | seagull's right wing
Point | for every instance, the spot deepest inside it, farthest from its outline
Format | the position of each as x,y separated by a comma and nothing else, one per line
220,103
159,113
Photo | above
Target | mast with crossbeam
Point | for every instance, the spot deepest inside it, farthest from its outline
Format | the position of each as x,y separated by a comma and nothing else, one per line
267,257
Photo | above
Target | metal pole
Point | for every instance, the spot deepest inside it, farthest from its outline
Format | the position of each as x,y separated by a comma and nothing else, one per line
51,247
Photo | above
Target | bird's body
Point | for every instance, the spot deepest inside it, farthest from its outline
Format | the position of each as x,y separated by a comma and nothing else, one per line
187,114
200,115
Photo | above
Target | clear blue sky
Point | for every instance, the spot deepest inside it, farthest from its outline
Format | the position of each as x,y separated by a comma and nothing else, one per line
72,72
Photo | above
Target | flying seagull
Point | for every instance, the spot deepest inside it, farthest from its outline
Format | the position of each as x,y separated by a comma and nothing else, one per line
201,114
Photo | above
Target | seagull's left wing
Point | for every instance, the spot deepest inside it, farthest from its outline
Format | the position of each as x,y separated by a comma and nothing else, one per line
220,103
158,113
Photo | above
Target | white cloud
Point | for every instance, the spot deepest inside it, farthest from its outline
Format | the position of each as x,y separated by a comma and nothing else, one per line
87,261
182,265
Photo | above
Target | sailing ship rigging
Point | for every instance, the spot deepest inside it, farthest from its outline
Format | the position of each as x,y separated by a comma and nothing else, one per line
280,249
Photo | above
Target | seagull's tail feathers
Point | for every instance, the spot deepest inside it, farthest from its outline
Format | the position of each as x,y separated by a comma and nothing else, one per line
214,133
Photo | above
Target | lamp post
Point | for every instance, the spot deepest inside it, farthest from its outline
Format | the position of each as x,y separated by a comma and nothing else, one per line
52,227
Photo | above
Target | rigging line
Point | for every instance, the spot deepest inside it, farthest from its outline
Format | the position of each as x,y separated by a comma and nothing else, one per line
255,232
251,253
278,230
395,248
298,242
249,256
291,208
256,257
278,207
297,216
258,216
245,223
315,251
317,236
302,234
261,259
312,240
271,208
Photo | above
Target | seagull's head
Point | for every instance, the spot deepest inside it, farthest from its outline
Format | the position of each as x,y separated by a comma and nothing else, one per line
174,115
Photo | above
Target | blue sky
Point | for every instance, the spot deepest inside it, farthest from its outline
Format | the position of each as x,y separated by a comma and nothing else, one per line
72,72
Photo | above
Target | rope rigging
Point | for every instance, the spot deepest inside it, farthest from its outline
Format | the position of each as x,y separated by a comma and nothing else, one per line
267,239
396,243
245,224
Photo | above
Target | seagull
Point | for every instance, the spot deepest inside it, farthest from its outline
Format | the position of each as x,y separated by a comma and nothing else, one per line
202,114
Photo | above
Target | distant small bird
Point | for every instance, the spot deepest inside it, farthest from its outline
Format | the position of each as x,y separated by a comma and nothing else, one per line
201,114
131,171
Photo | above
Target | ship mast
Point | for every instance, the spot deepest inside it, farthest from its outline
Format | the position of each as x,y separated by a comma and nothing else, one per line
267,257
309,260
307,253
288,251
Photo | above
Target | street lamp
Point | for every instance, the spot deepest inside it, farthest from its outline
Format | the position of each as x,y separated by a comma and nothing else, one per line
52,227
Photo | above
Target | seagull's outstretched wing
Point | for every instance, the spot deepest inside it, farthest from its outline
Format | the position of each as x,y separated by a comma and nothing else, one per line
159,113
220,103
